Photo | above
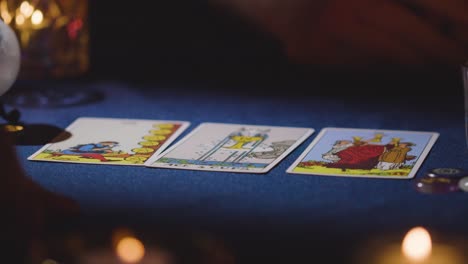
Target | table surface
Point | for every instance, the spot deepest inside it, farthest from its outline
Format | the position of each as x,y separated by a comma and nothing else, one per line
273,214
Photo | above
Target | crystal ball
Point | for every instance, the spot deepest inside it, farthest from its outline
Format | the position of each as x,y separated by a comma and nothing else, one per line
10,57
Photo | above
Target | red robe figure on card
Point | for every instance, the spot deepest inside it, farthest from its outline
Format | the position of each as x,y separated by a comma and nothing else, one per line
360,155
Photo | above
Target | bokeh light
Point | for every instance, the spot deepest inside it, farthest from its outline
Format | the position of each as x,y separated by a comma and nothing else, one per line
417,244
13,128
37,17
49,261
130,250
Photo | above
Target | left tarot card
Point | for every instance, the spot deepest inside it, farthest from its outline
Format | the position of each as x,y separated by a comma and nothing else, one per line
112,141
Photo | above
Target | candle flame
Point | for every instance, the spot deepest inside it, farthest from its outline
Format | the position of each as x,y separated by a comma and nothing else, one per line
13,128
6,17
26,9
4,12
417,244
37,17
130,250
19,19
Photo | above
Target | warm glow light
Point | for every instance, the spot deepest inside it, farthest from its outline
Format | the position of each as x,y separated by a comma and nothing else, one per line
26,9
54,10
417,244
3,6
4,12
130,250
13,128
6,17
19,19
49,261
37,17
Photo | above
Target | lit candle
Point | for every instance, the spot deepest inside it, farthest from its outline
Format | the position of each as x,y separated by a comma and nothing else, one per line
27,20
26,9
4,12
125,248
416,247
37,17
130,250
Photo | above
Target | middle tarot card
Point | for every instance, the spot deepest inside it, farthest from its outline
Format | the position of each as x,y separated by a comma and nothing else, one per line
232,148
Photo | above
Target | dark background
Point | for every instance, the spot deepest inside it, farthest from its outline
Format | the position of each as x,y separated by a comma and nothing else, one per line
178,40
201,46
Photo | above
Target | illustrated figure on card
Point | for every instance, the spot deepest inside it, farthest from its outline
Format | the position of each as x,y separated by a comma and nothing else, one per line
91,150
395,156
237,146
231,148
356,154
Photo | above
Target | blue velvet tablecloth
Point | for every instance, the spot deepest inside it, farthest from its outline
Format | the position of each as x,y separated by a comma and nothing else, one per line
273,204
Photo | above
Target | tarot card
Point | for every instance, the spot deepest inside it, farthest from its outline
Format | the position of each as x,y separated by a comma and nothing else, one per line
112,141
365,153
232,148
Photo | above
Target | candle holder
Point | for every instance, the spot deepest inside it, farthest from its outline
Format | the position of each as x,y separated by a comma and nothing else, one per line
29,134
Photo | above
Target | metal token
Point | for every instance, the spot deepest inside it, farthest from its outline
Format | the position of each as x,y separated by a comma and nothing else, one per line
463,184
449,172
437,184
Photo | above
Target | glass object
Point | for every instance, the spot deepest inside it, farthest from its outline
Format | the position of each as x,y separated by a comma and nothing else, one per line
465,89
9,57
9,65
53,36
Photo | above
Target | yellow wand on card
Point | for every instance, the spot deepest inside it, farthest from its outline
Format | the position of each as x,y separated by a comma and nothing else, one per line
357,140
395,141
377,138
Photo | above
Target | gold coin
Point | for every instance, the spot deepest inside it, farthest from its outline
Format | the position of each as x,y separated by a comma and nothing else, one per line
149,143
142,150
136,159
161,132
154,137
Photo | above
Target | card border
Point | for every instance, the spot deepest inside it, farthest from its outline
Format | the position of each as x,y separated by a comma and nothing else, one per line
307,134
70,127
421,158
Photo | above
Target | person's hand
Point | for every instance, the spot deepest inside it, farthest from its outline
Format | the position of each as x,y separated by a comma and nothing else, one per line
365,32
26,206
